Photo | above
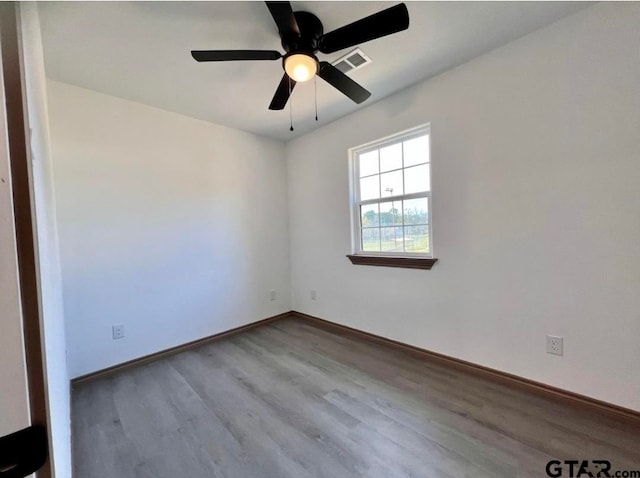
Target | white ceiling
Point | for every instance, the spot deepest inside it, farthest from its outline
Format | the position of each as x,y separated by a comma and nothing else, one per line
140,51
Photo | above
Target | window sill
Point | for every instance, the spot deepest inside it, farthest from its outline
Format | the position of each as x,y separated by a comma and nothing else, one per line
386,261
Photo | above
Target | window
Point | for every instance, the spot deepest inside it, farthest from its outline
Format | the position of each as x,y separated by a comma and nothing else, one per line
391,207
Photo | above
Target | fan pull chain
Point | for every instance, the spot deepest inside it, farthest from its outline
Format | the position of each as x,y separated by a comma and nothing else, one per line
315,93
290,107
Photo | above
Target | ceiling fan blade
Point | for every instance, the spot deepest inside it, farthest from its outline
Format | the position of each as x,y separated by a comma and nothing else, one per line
283,92
386,22
282,14
342,82
233,55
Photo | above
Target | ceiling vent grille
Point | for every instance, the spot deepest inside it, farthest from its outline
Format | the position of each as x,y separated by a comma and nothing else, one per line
353,60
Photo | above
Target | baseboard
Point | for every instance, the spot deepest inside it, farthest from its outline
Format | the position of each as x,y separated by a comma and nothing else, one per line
176,350
617,412
627,415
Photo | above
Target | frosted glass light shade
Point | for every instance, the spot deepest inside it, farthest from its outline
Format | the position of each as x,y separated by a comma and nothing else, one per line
300,67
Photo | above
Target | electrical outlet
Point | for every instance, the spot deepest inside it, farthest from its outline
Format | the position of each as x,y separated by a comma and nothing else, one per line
272,295
118,331
313,294
554,345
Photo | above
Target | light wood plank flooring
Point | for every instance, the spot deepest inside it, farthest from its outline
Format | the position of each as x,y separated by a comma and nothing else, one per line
292,399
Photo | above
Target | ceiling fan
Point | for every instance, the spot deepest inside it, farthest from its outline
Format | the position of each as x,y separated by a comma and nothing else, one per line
302,36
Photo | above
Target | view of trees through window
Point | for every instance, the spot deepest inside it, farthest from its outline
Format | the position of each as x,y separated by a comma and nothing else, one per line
393,192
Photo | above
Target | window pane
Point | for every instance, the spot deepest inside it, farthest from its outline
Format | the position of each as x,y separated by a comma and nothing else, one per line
416,211
370,188
417,179
416,151
391,157
391,183
368,163
390,213
391,239
416,238
369,215
371,239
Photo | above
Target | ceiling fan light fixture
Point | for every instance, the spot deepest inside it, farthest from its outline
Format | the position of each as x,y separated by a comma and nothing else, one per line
300,67
302,35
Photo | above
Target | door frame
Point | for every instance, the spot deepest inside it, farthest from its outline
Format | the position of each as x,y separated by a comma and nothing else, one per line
20,157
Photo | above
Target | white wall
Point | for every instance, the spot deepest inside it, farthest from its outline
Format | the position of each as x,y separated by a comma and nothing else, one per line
174,227
14,398
536,167
47,247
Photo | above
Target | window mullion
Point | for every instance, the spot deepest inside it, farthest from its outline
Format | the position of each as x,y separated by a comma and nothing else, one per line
394,198
404,239
356,212
423,194
380,190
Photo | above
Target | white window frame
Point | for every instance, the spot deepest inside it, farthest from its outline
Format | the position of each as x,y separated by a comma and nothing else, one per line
354,170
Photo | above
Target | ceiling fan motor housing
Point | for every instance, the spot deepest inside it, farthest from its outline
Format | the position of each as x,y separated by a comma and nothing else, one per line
311,30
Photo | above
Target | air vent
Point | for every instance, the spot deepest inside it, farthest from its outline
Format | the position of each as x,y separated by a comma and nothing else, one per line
357,59
352,61
343,66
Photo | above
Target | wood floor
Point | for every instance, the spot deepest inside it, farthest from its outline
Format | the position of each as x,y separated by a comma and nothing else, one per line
292,399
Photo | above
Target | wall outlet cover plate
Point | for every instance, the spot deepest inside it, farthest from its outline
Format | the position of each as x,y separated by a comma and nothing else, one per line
554,345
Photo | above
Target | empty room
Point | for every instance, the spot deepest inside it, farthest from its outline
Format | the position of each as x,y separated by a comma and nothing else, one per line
320,239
